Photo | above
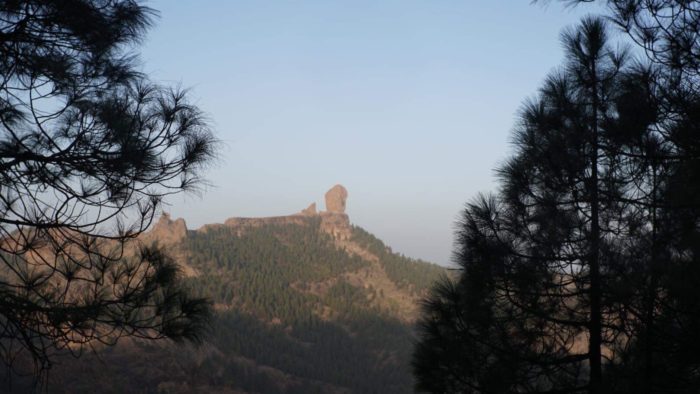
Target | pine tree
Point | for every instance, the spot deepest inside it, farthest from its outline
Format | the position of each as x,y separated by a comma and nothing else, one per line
88,149
545,296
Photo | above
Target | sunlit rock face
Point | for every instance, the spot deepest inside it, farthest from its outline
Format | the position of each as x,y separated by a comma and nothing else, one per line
336,198
334,221
168,231
310,211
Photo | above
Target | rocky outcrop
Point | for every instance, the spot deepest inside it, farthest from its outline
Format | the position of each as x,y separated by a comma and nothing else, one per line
170,235
336,224
336,199
310,210
333,220
167,231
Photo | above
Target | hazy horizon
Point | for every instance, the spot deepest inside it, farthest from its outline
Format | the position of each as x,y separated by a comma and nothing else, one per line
408,104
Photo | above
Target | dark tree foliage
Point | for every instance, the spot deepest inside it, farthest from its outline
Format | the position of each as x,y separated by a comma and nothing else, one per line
663,357
561,273
88,148
667,30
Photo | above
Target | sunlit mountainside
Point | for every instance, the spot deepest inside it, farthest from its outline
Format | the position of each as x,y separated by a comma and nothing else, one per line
306,303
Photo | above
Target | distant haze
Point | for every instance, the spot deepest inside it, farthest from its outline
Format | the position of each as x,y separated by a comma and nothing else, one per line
408,104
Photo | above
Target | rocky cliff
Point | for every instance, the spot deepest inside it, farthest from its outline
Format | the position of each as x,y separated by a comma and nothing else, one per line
334,221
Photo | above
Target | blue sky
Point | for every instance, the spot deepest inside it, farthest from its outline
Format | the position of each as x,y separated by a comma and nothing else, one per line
409,104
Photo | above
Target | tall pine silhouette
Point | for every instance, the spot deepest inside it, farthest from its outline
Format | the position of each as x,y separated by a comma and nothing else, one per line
566,269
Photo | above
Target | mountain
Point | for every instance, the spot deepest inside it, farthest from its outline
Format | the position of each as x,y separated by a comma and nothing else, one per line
305,303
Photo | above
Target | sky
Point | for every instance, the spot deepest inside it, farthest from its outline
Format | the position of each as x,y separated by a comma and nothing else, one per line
407,103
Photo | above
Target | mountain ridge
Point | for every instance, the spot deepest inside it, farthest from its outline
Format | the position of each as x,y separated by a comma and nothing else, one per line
304,303
334,220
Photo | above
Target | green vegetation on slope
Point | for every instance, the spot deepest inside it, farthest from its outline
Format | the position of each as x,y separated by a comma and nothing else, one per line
415,275
266,277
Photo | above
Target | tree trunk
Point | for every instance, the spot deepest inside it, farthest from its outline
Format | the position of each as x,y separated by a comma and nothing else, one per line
651,296
595,337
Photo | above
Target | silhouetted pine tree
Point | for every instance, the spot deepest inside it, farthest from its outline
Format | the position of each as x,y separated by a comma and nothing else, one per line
662,355
559,265
88,148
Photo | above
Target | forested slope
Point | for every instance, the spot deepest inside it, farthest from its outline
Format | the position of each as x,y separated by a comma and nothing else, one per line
303,304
